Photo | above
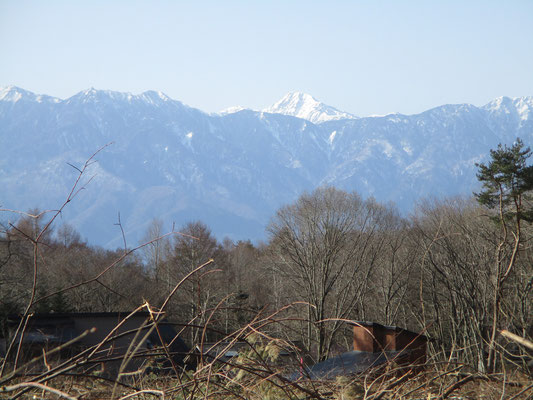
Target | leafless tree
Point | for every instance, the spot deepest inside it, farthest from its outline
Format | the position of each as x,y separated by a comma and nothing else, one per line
194,246
325,245
455,261
392,282
157,254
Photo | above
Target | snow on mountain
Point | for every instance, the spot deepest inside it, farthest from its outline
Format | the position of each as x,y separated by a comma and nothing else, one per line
232,110
520,106
305,106
232,170
14,94
519,109
506,114
150,97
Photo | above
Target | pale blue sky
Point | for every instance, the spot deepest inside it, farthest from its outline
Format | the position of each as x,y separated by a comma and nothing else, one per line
364,57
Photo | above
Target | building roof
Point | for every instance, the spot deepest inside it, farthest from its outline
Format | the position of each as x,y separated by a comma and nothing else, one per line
349,363
57,328
394,328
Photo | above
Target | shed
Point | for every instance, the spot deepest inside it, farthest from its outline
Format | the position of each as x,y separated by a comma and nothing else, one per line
376,338
45,332
373,345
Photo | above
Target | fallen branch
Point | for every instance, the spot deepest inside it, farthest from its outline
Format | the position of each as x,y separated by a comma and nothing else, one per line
520,340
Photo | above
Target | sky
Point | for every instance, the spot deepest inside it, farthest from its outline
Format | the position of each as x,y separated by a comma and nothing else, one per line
363,57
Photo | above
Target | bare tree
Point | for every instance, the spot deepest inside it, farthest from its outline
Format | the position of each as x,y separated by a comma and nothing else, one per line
325,246
392,278
67,236
156,254
455,258
193,247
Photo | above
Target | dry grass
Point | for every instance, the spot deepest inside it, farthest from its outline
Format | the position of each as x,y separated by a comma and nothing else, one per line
254,375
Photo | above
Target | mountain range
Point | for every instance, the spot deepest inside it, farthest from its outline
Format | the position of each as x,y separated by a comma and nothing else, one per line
231,170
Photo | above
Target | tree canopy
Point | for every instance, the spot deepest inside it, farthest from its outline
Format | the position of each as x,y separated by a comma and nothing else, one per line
506,181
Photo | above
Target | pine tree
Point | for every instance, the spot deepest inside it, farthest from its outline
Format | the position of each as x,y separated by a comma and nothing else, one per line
506,180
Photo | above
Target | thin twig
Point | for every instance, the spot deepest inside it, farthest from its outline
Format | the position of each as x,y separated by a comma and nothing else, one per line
23,385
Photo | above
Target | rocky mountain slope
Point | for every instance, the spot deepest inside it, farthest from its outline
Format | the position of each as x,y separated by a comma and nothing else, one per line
231,170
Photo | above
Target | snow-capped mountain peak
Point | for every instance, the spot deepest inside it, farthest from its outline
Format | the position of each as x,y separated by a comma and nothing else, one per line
520,106
93,95
305,106
13,94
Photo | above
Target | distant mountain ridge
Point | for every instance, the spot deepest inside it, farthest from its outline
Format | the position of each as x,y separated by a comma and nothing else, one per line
232,170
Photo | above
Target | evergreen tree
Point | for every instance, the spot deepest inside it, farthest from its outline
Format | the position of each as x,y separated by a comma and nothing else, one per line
506,180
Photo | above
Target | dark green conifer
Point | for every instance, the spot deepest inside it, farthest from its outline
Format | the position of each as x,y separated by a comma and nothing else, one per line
506,180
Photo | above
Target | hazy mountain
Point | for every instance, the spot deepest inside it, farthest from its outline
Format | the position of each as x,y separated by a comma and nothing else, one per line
231,170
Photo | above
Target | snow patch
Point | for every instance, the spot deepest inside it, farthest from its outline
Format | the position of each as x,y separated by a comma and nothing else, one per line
296,164
383,115
388,150
407,148
187,140
524,106
231,110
